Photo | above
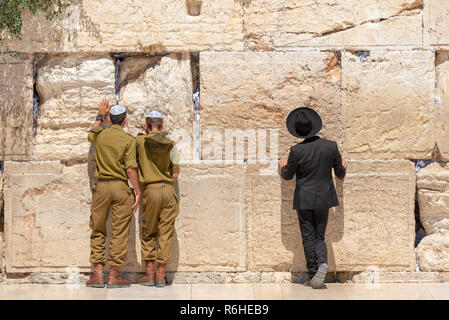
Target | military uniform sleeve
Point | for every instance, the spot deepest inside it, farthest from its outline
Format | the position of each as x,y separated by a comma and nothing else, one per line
130,155
174,159
93,134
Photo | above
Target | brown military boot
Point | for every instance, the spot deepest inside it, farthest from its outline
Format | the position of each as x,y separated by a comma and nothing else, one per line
114,279
148,278
97,277
160,275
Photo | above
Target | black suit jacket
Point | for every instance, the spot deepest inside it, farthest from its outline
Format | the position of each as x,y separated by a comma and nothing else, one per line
312,161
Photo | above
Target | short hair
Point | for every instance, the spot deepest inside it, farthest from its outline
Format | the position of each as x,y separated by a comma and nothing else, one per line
154,123
118,119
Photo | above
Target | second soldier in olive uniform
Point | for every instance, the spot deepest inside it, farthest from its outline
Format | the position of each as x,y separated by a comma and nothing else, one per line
116,162
158,169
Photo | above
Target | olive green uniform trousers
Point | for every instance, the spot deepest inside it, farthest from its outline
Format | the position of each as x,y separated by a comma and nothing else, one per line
160,206
119,197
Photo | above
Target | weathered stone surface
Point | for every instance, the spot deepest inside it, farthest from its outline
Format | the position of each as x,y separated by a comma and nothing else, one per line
16,107
388,104
135,26
433,252
442,106
436,23
433,199
211,226
250,91
70,88
47,209
280,25
164,84
376,203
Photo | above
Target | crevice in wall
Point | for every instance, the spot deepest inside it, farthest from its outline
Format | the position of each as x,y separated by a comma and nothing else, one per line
118,59
194,7
195,58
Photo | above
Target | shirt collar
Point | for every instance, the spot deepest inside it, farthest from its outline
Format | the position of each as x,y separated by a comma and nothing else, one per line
116,126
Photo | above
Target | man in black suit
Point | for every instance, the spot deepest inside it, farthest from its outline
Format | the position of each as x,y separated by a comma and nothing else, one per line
312,161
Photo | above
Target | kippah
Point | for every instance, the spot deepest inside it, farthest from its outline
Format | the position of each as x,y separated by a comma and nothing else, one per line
116,110
154,114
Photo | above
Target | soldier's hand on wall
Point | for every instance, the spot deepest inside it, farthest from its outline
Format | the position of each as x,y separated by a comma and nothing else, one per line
104,107
344,163
282,162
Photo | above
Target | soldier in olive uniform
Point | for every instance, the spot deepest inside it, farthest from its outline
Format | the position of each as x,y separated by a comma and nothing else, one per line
116,163
158,169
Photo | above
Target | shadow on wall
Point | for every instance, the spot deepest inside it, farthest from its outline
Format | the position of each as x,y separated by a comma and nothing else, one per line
291,234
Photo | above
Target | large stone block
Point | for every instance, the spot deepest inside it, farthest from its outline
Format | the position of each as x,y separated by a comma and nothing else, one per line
372,227
211,226
291,24
250,91
435,22
433,199
388,104
442,107
70,88
16,107
47,209
136,26
162,83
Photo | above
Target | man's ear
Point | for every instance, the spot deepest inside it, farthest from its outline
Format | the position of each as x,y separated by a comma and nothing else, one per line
109,118
162,125
124,121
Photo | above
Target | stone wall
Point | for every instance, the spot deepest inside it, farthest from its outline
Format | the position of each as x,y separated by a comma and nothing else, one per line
376,70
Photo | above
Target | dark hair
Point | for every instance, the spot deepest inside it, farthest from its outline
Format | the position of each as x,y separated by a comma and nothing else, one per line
154,123
118,119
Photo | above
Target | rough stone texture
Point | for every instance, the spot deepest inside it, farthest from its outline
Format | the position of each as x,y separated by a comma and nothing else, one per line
162,83
211,226
291,24
442,106
398,277
388,105
247,90
433,199
135,26
16,107
376,203
436,23
70,88
47,209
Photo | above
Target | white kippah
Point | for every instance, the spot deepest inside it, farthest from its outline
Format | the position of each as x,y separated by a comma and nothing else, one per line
154,114
116,110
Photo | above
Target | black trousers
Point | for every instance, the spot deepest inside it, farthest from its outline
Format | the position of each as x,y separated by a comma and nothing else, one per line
313,225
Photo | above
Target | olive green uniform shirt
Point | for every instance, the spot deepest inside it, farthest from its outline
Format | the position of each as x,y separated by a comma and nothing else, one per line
115,150
155,166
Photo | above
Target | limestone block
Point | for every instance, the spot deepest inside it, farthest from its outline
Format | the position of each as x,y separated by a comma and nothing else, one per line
165,85
435,22
251,91
47,209
291,24
211,226
433,197
16,107
388,105
442,106
135,26
70,88
372,227
378,228
433,252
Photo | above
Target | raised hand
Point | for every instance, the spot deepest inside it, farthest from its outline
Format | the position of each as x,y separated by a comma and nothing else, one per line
104,107
283,162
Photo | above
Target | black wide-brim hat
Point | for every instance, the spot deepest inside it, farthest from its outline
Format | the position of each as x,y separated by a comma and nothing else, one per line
306,114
